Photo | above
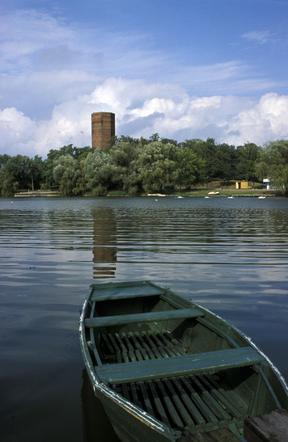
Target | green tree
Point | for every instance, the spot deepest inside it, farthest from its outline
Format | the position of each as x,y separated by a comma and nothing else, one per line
275,156
190,168
100,172
77,153
247,158
36,172
206,152
123,157
157,167
225,162
68,176
19,173
262,169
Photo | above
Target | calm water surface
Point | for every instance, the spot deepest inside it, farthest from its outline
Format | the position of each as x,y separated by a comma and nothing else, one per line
229,255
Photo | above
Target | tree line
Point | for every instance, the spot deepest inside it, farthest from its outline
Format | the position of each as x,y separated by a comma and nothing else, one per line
139,165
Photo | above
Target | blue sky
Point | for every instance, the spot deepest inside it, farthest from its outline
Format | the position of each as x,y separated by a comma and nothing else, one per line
185,69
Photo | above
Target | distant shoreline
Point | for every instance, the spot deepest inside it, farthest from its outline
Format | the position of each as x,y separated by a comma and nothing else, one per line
197,193
37,193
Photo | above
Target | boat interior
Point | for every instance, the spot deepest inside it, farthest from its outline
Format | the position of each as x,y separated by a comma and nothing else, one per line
172,360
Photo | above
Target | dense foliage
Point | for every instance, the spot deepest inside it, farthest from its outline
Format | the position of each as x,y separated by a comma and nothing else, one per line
144,166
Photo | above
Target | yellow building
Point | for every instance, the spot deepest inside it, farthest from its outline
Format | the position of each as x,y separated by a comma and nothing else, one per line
242,184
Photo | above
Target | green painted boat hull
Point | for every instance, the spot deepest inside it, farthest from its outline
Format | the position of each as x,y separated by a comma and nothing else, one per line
166,369
130,429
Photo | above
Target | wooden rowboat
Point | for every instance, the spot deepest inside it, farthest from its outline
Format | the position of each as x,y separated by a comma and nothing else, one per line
166,369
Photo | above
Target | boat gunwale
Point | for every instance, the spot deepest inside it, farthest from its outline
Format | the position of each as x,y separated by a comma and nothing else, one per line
137,412
250,342
138,283
109,393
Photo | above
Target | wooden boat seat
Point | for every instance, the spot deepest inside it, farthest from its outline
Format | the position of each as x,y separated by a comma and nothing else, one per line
107,321
209,362
110,292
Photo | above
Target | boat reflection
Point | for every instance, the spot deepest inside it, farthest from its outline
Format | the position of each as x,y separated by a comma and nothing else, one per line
104,240
96,426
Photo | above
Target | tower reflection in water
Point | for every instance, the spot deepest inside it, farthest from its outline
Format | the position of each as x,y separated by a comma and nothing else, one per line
96,425
104,240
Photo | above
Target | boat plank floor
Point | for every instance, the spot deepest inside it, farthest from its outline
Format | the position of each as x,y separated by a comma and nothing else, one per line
163,363
155,345
182,402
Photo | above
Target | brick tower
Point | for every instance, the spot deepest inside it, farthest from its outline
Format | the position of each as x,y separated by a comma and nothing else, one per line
103,129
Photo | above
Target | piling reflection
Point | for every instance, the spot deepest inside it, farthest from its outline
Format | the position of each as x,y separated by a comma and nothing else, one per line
96,426
104,240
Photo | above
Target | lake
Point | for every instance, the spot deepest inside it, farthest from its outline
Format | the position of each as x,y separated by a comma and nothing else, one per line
230,255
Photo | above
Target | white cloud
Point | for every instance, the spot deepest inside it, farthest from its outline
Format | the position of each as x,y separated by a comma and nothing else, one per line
54,74
46,60
143,108
260,37
266,120
15,130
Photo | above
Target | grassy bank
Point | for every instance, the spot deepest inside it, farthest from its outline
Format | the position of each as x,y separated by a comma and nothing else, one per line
202,192
230,192
224,191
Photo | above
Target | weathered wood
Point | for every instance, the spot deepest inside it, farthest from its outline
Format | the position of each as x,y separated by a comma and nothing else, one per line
220,395
92,345
156,367
218,409
223,435
201,404
107,321
178,403
267,428
169,405
122,290
116,294
209,362
122,285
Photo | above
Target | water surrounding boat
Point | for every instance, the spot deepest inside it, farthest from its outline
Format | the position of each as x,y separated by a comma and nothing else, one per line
233,254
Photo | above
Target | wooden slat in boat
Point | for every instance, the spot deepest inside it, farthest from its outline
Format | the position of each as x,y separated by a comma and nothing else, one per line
210,362
219,395
207,413
180,372
108,321
162,400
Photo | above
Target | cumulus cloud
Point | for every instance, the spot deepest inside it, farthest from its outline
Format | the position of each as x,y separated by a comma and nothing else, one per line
54,74
15,129
142,109
266,120
46,60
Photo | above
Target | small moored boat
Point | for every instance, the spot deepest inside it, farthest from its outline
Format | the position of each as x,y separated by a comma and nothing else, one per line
166,369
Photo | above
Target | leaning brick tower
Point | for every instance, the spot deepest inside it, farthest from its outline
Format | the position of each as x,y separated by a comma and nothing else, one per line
103,129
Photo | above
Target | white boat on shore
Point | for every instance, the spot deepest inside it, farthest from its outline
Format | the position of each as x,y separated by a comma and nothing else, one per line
156,194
